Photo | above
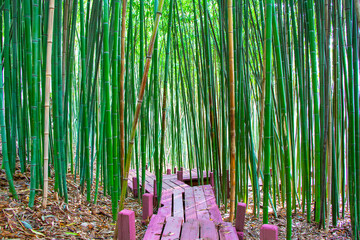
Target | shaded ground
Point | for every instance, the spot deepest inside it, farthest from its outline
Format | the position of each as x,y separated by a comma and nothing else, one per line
78,219
83,220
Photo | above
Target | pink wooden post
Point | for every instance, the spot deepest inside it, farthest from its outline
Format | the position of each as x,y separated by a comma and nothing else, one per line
135,190
148,206
155,193
126,225
174,170
180,176
240,219
240,235
212,182
182,169
146,167
168,171
268,232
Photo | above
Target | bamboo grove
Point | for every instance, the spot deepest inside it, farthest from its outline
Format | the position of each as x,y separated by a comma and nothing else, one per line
90,89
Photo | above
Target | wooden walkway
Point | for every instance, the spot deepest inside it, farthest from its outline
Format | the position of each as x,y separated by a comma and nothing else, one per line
186,212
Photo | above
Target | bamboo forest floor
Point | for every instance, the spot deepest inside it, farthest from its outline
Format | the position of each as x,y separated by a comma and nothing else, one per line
83,220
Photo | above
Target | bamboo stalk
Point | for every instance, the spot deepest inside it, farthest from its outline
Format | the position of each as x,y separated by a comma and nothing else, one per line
232,109
47,101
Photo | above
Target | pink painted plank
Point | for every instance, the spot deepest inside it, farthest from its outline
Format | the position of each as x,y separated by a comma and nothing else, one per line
131,175
155,228
178,207
227,231
174,185
166,204
166,185
268,232
208,230
148,182
201,206
180,183
172,228
190,230
127,231
169,177
194,175
190,207
213,208
166,197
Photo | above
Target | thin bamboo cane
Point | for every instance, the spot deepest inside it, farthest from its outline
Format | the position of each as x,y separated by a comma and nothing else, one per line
47,101
232,109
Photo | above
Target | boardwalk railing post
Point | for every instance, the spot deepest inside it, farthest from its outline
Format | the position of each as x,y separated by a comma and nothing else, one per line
180,176
212,182
168,171
135,190
240,220
155,194
126,225
148,206
268,232
174,170
146,167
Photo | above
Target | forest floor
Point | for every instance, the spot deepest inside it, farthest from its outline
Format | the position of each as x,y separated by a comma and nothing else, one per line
80,219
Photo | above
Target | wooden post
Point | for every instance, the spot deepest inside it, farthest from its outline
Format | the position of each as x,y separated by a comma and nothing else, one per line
135,190
168,171
146,167
212,181
240,219
148,206
180,176
155,193
268,232
174,170
240,235
182,169
126,223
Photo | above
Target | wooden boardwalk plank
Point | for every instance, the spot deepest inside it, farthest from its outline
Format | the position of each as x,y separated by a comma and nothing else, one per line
194,175
197,207
190,206
173,185
155,228
201,206
172,228
227,231
190,230
180,184
208,230
213,209
178,206
166,186
166,203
